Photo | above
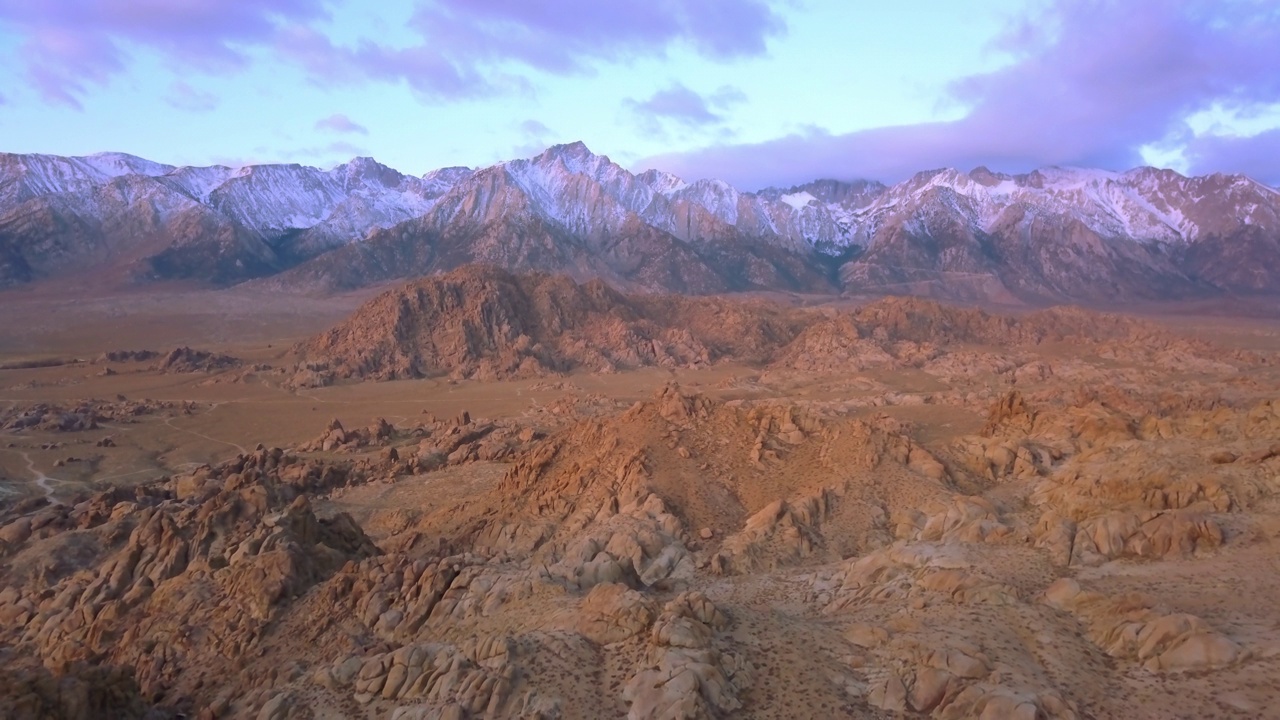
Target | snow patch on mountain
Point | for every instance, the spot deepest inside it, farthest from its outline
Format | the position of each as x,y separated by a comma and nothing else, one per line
799,200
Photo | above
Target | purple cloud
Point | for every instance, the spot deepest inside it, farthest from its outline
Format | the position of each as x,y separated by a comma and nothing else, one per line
469,46
184,97
327,155
684,106
345,149
1257,156
340,123
566,35
534,128
71,44
60,64
535,137
1093,81
425,68
466,48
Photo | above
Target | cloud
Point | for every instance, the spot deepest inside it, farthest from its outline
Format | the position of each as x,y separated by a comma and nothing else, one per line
340,123
424,68
534,128
69,45
326,155
344,148
1090,83
680,107
463,48
60,64
567,35
535,137
1257,156
677,103
472,48
184,97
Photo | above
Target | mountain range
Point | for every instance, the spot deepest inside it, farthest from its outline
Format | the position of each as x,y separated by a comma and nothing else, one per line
1050,235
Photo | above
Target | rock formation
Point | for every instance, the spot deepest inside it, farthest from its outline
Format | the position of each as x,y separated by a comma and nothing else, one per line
897,508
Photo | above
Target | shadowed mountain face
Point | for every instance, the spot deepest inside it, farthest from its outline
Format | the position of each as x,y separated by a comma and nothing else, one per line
1049,235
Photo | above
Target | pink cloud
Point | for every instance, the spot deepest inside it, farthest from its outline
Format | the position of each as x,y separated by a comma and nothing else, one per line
1093,81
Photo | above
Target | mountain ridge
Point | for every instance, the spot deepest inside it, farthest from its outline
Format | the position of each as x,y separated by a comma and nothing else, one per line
1051,234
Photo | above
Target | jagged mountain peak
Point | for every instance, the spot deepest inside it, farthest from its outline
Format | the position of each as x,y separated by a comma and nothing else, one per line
557,209
575,149
575,158
456,172
1055,175
662,182
365,169
847,194
987,177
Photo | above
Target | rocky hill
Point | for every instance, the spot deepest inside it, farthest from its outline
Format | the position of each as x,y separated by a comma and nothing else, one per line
1050,235
486,323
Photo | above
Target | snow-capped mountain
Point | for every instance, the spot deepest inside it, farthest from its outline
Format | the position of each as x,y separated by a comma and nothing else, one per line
23,177
1145,205
1051,234
588,193
218,224
570,210
1066,232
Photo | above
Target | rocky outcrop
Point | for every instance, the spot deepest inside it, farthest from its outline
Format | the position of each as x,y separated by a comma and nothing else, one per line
85,414
683,675
484,323
1129,628
442,680
186,360
903,572
781,533
80,692
219,554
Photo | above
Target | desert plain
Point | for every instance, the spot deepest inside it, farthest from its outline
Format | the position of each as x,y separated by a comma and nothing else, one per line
486,495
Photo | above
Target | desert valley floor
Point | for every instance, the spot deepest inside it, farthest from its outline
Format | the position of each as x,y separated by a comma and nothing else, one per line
493,496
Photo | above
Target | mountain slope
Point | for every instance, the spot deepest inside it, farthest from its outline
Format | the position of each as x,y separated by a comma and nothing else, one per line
1046,236
567,211
127,217
1068,233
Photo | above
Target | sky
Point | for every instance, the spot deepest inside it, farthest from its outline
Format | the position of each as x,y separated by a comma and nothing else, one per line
755,92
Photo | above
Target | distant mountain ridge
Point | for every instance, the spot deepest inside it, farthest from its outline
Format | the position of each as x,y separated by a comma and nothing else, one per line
1053,234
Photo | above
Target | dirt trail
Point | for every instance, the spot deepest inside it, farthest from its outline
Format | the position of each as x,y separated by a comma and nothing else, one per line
241,448
42,480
